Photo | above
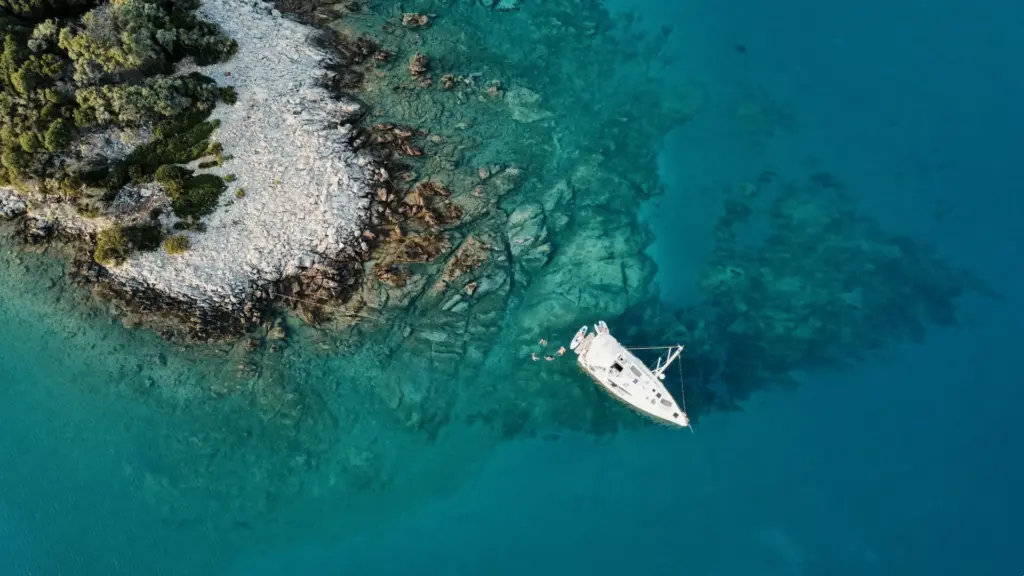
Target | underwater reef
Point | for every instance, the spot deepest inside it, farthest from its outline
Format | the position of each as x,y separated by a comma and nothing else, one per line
799,281
505,167
511,216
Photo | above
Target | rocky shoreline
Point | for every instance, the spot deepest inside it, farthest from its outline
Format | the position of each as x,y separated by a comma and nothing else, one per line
11,205
293,219
305,193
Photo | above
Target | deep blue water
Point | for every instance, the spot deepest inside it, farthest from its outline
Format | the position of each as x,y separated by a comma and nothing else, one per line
908,464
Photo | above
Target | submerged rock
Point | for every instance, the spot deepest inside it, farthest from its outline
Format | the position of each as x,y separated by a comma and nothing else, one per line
277,330
501,5
418,65
415,20
815,288
525,105
527,237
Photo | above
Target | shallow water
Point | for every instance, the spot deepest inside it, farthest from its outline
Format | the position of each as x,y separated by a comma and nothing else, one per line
116,459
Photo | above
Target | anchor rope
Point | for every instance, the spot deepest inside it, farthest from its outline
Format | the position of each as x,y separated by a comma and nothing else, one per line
650,347
682,391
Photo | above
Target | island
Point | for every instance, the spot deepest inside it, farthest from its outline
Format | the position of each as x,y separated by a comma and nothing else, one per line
200,147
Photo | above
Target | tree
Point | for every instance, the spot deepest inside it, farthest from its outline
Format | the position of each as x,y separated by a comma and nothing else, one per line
131,105
57,136
29,142
14,160
139,35
43,36
113,38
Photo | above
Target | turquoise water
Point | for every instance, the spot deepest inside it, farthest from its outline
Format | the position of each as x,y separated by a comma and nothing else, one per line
113,461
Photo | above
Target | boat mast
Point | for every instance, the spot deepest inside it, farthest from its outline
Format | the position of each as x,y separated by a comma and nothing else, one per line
671,357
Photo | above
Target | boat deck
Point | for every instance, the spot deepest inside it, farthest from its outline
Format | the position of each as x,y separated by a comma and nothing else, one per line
625,377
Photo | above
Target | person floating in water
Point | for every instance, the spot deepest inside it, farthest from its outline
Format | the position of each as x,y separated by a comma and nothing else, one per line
542,342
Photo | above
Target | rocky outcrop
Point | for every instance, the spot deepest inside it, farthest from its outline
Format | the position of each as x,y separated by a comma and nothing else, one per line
527,238
11,204
599,263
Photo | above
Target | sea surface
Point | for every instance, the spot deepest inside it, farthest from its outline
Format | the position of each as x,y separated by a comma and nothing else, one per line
908,462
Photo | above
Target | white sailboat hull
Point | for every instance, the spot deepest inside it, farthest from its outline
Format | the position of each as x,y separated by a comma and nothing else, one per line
625,377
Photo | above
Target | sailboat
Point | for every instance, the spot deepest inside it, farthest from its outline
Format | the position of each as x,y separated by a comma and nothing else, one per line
614,368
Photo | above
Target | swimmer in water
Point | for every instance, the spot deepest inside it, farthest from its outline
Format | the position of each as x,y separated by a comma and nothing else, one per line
534,356
543,342
561,351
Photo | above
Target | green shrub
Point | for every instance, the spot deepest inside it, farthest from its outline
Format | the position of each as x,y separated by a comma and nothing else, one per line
172,177
228,95
29,142
140,35
69,187
240,193
229,178
58,135
137,174
15,160
198,196
112,247
87,209
176,244
43,36
174,142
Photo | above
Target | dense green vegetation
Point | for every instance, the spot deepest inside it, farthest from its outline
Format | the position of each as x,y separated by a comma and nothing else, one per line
192,197
115,243
37,10
69,68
